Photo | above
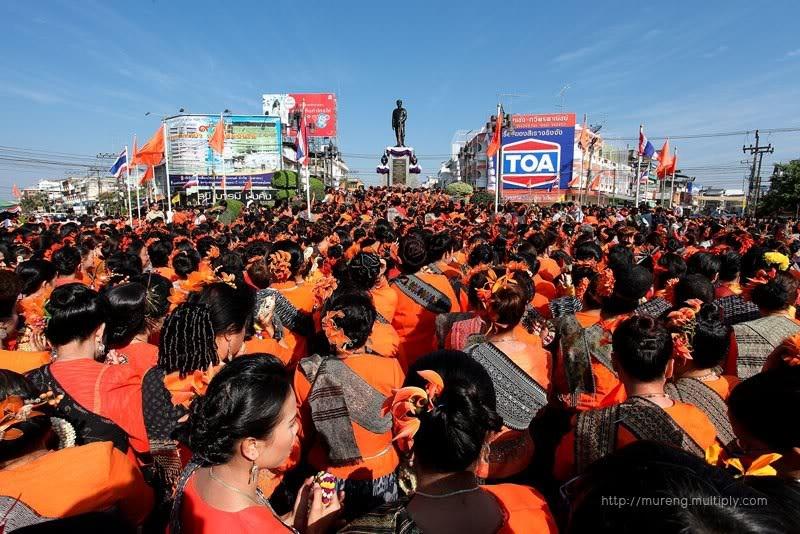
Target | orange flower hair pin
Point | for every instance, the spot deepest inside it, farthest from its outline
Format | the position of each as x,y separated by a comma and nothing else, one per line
408,403
15,409
280,265
605,283
336,336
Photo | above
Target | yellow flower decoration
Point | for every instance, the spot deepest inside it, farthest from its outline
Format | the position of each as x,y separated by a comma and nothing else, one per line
777,259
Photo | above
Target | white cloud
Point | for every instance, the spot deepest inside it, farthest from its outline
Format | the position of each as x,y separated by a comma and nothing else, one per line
793,53
574,54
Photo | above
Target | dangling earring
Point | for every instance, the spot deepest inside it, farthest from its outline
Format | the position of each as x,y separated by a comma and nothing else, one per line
100,349
253,473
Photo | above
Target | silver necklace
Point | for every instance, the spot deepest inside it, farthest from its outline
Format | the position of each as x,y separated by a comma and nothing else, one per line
232,488
445,495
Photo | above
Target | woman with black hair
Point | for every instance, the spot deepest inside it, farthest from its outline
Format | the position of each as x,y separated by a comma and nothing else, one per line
700,344
186,362
67,261
245,423
103,402
44,476
730,267
443,419
367,272
37,277
421,296
159,252
765,419
133,317
642,355
231,308
184,262
520,369
355,446
19,351
684,488
757,338
584,376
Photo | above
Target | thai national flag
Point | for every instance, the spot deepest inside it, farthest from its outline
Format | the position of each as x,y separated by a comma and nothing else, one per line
120,165
302,142
646,148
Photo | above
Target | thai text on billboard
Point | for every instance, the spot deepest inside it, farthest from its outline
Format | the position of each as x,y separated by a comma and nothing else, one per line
320,110
537,153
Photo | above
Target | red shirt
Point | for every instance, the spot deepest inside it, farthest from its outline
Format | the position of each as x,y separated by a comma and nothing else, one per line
112,391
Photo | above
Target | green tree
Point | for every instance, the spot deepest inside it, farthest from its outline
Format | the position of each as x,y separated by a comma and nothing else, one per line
33,201
784,192
459,189
286,184
482,197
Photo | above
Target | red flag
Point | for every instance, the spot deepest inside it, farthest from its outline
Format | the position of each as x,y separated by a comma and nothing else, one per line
148,175
217,139
248,185
664,161
15,191
494,145
152,152
674,166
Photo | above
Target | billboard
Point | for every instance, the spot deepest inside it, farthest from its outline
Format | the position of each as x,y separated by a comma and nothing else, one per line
252,150
537,154
320,110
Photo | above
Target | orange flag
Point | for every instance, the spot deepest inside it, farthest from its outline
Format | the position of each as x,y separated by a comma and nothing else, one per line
152,152
148,175
674,166
664,161
15,191
217,139
494,145
595,185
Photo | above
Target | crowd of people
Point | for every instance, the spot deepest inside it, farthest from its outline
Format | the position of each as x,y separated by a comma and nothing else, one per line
401,362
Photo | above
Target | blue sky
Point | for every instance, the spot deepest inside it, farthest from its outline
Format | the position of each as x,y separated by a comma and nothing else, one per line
78,77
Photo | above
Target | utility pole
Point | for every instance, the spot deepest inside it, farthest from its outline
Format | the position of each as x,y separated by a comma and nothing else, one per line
754,189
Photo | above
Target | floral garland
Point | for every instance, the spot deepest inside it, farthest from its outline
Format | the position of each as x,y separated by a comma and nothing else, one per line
15,409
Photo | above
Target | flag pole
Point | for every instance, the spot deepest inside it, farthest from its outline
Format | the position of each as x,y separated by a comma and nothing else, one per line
498,179
304,126
672,185
136,180
583,156
638,167
128,185
222,160
166,169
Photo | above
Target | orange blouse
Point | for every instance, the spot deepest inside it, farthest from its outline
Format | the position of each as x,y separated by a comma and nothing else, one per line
302,298
524,509
415,324
536,361
21,362
385,300
690,418
379,457
113,391
78,480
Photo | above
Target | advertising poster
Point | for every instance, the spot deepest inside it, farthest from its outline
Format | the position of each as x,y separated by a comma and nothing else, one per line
537,155
252,151
320,110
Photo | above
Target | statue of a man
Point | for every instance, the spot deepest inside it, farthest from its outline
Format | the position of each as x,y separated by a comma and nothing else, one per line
399,123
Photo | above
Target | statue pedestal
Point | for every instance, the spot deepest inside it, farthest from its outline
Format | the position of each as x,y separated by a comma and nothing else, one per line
399,163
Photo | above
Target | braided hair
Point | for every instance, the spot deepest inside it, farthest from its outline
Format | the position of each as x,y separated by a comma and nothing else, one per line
187,340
